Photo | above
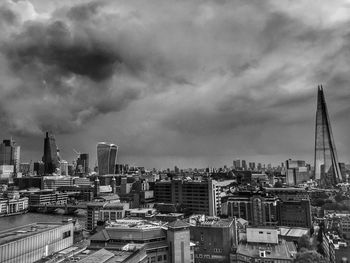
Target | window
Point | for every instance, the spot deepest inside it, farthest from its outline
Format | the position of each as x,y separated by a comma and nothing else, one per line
66,234
164,257
160,258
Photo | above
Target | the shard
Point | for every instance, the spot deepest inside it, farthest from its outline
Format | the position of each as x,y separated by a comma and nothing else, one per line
327,169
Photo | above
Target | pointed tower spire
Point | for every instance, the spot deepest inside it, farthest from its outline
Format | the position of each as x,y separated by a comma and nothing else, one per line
327,170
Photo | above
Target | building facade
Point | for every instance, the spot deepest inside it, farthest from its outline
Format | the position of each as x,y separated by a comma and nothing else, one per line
50,157
32,242
257,208
214,239
199,197
106,158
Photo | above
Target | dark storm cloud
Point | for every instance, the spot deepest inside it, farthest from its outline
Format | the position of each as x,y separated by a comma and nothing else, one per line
174,77
54,45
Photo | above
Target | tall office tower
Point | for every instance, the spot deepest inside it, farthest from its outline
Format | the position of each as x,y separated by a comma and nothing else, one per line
50,158
327,169
252,166
10,154
237,164
64,167
244,165
106,158
83,163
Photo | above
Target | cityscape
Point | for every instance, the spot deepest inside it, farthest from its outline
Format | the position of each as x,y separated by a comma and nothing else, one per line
153,184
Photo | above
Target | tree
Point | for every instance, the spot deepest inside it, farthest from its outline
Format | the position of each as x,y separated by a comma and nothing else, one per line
304,242
278,184
310,256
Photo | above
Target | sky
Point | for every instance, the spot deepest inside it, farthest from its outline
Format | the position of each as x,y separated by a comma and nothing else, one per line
187,83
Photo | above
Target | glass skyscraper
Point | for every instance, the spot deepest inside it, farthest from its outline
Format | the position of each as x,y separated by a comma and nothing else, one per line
50,158
106,158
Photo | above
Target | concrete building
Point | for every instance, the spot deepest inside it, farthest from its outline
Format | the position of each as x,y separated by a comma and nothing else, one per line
258,208
295,214
263,245
214,239
199,197
13,206
289,194
345,226
104,210
46,197
32,242
6,174
163,243
178,238
10,154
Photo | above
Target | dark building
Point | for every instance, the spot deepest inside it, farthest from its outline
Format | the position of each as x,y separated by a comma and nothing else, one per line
10,154
106,158
50,158
214,239
39,168
258,208
295,213
83,164
289,194
28,182
327,170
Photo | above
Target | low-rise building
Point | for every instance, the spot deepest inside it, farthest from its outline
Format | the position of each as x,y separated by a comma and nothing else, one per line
263,245
32,242
213,238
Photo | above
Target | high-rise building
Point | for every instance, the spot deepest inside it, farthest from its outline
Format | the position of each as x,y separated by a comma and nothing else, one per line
237,164
10,154
327,170
106,158
244,165
252,166
50,158
199,197
83,163
64,167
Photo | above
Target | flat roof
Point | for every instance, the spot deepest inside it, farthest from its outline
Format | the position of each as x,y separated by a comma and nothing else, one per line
134,224
215,223
293,231
17,233
283,250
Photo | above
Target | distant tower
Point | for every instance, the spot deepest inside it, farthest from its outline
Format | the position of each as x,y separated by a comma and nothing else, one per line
96,187
50,158
327,169
114,185
10,154
106,158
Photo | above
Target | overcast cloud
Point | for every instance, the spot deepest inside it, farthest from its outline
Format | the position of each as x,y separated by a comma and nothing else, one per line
187,83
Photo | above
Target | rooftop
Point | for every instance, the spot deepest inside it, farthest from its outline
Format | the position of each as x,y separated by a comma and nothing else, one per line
283,250
134,224
17,233
293,231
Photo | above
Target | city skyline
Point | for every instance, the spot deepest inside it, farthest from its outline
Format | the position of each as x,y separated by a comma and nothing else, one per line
200,86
